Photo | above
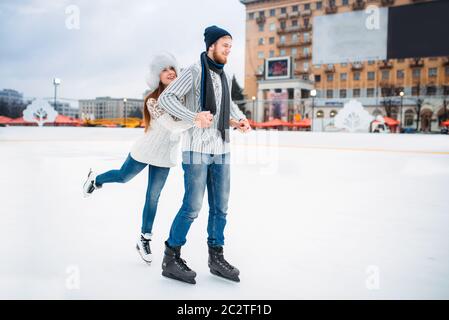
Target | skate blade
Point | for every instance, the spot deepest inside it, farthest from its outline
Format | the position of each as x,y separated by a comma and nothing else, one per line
235,279
171,276
146,261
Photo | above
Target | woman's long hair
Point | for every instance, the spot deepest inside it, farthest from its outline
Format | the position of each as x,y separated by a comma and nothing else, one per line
153,95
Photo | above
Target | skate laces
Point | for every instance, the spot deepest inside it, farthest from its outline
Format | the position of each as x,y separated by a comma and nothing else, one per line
182,263
146,245
223,262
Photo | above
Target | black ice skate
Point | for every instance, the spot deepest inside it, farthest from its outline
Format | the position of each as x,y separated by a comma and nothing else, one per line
220,267
176,268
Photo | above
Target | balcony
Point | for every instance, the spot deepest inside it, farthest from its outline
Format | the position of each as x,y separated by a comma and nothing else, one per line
288,30
282,16
304,56
417,63
305,28
387,2
306,13
330,68
260,20
259,75
294,14
301,72
357,66
446,61
331,9
385,64
287,44
358,5
305,42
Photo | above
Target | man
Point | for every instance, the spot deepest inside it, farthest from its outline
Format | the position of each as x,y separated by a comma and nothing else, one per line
206,156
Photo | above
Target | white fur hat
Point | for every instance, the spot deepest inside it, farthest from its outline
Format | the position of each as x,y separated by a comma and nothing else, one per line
158,63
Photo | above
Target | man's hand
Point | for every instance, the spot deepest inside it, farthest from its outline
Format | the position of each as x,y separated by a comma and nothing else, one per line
233,123
203,119
244,126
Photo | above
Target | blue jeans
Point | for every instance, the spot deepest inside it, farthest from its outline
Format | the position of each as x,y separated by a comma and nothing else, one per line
156,181
201,171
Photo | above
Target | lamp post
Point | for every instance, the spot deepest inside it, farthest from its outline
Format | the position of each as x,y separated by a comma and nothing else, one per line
124,107
56,83
254,108
313,95
401,94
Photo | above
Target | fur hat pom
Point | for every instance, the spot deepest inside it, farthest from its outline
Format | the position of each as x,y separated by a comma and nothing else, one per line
158,63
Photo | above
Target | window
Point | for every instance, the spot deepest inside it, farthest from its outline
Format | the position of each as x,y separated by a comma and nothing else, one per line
306,21
371,75
371,62
431,90
271,53
306,51
294,52
370,92
343,76
294,23
306,36
356,76
385,74
342,93
344,64
282,39
271,40
400,74
261,13
356,93
317,78
319,5
260,55
415,91
409,118
261,41
294,38
433,72
261,27
272,26
416,73
251,16
272,12
307,6
282,52
306,66
344,2
295,8
330,77
283,10
320,114
283,25
329,93
333,113
446,71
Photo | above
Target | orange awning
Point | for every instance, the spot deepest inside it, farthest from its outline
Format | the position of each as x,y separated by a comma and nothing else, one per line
445,123
391,122
4,120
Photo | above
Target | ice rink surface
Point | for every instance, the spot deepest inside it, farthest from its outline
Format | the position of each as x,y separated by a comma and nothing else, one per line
311,216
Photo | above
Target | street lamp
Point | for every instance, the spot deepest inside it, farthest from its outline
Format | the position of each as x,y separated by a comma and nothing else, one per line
254,108
313,95
400,122
56,83
124,107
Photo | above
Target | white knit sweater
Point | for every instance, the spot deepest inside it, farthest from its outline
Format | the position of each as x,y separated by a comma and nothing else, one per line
159,146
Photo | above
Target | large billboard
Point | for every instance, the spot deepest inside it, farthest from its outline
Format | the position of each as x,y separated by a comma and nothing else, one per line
278,68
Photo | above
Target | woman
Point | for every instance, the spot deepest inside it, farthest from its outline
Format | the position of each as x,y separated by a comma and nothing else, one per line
157,149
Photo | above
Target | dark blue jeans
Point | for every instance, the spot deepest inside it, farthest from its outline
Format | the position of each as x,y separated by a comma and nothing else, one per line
156,181
201,171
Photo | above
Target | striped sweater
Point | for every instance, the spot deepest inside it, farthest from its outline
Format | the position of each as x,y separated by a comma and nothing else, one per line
187,86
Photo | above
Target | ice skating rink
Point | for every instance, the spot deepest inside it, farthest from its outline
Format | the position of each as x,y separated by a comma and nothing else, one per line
311,215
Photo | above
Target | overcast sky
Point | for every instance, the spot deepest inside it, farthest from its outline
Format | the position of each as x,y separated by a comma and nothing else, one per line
109,54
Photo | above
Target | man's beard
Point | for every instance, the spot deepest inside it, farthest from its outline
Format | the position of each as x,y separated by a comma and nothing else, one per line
218,59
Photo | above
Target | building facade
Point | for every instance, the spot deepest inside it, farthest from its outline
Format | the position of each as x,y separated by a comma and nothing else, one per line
284,28
65,109
11,96
108,108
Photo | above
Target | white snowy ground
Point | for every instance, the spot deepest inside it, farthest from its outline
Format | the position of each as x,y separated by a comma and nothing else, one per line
312,215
